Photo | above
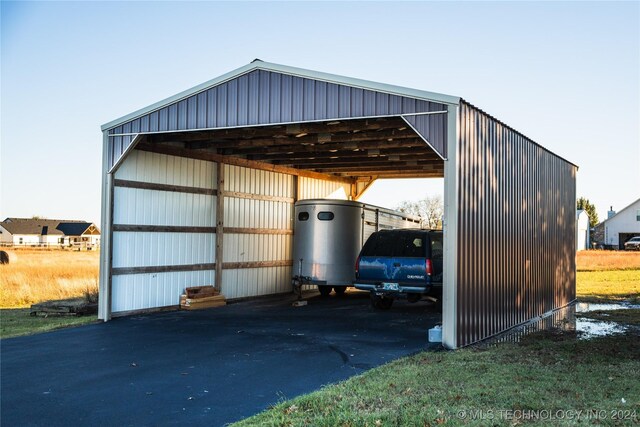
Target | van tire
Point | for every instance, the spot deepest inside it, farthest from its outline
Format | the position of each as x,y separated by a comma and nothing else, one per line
380,302
324,290
339,290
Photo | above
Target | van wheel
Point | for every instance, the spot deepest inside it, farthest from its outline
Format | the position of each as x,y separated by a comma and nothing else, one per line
324,290
339,290
381,303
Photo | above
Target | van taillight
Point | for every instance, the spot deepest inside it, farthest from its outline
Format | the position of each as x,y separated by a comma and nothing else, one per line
428,267
357,266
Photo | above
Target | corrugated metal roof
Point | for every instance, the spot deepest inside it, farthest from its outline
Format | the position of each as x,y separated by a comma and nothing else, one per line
293,71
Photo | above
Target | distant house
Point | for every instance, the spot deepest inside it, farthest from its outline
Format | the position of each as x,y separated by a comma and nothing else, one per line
619,227
49,232
582,230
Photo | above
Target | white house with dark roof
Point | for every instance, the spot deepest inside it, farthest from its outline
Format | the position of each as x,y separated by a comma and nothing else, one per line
623,225
49,232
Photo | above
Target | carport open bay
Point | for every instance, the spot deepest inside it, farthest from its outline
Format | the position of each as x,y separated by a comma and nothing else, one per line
208,367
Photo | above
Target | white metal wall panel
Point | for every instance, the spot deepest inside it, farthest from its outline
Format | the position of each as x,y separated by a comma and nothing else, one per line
256,281
144,291
253,213
257,247
246,213
153,207
253,181
145,166
253,199
142,249
159,207
311,188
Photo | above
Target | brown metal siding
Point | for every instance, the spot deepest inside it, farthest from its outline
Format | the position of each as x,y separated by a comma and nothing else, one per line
265,97
516,228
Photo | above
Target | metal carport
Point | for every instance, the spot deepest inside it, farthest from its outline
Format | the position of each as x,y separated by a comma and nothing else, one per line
199,189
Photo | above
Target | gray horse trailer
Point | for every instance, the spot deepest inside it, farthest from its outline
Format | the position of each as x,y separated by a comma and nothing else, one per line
328,236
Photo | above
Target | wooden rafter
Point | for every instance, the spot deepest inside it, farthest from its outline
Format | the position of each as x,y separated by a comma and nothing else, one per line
345,151
283,130
193,154
320,138
299,148
344,154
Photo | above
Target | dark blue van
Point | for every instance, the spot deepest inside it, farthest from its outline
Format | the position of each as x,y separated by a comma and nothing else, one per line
400,264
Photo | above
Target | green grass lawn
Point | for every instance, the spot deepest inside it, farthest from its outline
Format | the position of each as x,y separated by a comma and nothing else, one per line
545,371
613,285
16,322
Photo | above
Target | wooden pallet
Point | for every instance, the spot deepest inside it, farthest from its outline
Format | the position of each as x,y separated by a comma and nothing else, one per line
200,291
66,307
200,302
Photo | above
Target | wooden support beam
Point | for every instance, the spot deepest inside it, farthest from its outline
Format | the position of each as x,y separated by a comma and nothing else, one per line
362,187
193,154
395,174
279,130
362,160
374,170
219,225
342,153
163,187
256,264
321,138
403,143
274,231
250,196
161,269
162,228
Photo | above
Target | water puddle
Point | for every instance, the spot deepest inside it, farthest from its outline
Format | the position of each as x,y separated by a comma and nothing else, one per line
566,321
585,307
591,328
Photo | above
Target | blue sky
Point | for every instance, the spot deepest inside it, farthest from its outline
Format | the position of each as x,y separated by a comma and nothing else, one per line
565,74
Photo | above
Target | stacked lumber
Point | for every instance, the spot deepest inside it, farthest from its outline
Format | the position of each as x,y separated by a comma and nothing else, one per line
198,297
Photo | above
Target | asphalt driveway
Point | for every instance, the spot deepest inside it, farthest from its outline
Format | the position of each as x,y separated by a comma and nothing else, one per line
208,367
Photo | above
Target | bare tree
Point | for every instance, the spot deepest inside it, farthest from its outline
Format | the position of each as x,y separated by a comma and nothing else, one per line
430,209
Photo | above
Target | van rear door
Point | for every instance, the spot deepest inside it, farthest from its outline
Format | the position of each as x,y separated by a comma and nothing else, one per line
410,252
376,262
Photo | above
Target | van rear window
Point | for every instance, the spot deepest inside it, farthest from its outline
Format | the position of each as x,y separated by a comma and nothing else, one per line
379,244
409,245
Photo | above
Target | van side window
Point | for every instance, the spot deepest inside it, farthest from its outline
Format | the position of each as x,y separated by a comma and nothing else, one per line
325,216
303,216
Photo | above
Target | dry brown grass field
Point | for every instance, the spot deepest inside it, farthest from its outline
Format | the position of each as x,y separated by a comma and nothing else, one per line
608,260
41,274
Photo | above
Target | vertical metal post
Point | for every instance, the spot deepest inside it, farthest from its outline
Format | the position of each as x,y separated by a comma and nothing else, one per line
106,221
450,232
219,225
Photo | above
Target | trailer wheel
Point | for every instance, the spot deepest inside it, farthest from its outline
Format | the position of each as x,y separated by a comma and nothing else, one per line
381,303
339,290
324,290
